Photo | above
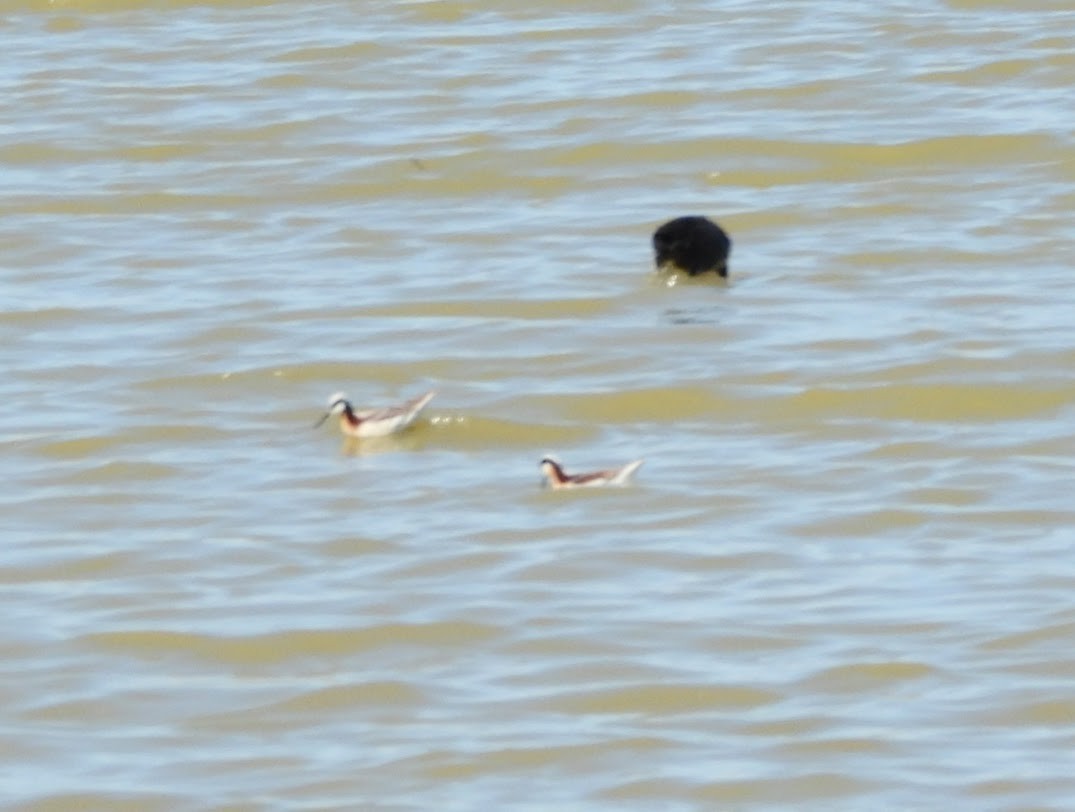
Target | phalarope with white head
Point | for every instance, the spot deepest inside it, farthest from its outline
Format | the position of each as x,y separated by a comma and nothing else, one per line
374,422
556,477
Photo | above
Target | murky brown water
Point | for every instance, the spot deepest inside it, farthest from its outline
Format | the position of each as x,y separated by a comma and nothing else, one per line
843,579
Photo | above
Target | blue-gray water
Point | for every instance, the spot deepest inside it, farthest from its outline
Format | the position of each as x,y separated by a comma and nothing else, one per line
843,578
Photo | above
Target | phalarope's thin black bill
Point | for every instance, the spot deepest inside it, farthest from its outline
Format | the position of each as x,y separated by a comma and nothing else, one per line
557,478
374,422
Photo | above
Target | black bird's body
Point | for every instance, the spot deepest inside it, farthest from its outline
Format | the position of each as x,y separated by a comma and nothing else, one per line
693,244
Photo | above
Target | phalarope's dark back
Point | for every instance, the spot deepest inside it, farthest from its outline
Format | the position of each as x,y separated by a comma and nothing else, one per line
557,478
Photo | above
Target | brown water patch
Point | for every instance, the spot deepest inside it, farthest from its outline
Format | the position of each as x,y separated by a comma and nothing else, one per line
838,747
113,802
931,402
1051,637
453,766
867,676
864,524
681,403
282,647
790,791
532,309
342,697
664,699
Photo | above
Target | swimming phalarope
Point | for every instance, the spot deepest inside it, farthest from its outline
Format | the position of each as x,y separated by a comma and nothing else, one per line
692,244
556,478
374,422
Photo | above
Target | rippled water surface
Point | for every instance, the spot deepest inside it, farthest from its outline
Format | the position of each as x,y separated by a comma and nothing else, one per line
843,578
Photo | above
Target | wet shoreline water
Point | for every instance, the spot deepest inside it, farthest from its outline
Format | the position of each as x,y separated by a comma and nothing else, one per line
840,579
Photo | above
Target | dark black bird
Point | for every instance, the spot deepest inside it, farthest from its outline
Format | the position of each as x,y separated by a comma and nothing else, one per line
692,244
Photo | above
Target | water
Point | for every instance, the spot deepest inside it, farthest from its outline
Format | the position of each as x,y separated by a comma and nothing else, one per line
842,578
